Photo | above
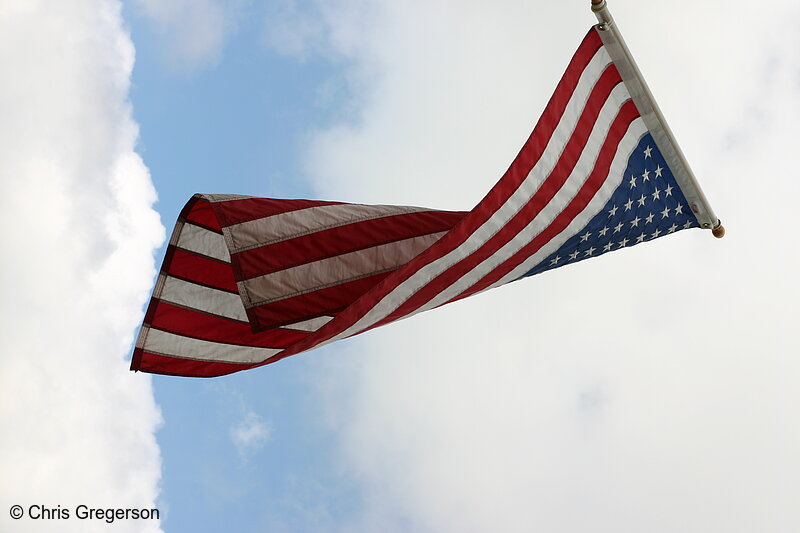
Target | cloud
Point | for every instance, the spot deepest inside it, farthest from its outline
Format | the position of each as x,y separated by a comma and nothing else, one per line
195,30
250,434
647,390
79,236
293,29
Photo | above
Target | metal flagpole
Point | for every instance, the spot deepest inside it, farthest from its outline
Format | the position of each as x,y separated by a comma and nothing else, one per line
654,119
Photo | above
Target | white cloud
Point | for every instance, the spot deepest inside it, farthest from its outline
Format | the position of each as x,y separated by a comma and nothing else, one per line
250,434
648,390
79,234
195,31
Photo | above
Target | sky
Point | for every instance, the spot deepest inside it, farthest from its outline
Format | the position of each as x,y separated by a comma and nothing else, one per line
651,389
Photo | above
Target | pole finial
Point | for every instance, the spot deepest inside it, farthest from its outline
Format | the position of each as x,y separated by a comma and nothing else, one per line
598,5
718,231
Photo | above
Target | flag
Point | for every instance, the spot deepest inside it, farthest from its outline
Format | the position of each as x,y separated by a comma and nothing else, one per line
249,281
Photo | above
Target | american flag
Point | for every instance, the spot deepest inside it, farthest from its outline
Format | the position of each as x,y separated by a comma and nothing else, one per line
249,281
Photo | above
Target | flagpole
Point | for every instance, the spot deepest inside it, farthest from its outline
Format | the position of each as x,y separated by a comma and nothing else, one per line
654,119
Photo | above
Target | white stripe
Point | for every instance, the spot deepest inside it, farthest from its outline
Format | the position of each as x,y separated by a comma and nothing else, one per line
202,298
214,198
334,270
499,218
559,202
310,325
203,241
164,343
293,224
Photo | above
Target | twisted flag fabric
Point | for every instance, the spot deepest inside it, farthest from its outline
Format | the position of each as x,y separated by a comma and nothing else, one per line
249,281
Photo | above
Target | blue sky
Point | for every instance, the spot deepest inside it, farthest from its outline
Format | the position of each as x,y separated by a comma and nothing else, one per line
248,115
238,126
649,390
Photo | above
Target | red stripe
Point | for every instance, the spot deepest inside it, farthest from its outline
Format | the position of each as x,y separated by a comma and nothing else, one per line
521,166
201,269
176,366
549,188
200,212
323,302
627,114
197,325
233,212
340,240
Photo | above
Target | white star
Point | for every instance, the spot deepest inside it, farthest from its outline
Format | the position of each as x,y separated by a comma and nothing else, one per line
612,212
640,238
604,231
635,222
622,243
658,171
688,224
607,247
555,260
665,213
672,228
646,175
633,182
656,194
668,190
641,200
647,152
679,209
590,251
585,236
656,233
618,227
574,255
649,218
628,204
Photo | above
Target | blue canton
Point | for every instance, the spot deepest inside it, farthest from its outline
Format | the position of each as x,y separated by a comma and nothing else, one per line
646,205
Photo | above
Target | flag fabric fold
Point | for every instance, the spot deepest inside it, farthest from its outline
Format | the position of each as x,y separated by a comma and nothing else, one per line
249,281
